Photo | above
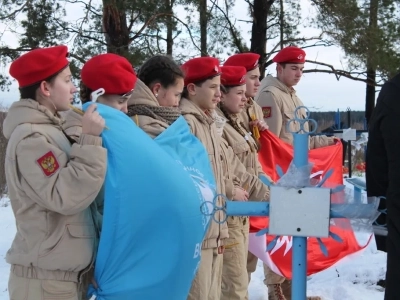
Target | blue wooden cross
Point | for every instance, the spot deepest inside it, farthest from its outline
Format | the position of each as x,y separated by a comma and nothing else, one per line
298,218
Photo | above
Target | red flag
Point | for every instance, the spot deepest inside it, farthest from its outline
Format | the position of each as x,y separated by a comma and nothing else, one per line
276,152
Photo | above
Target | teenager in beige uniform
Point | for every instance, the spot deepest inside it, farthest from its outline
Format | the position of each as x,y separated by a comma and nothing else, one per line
235,279
115,75
278,100
240,185
111,72
251,115
252,120
154,102
51,182
153,107
201,94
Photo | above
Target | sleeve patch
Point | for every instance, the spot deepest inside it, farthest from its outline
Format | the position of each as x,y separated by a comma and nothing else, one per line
267,111
48,163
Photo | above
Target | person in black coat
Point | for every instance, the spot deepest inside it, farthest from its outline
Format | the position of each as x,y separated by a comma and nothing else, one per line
383,174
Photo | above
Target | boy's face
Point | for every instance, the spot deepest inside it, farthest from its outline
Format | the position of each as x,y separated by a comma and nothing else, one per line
290,74
208,95
252,82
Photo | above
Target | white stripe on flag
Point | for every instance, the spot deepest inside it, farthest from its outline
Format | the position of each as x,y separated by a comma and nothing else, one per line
258,246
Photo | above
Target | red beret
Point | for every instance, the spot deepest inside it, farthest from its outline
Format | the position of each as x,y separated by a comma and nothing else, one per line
200,68
109,71
39,64
233,75
290,54
248,60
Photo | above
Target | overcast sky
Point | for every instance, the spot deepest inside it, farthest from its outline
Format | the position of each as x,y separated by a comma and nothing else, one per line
318,91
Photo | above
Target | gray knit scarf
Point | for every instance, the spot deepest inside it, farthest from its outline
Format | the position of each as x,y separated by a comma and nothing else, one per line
162,113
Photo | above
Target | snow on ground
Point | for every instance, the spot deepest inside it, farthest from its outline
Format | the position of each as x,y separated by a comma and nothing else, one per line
353,278
7,232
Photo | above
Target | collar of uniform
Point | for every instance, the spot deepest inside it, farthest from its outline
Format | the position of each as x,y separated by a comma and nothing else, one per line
188,107
209,117
290,90
28,111
235,118
249,102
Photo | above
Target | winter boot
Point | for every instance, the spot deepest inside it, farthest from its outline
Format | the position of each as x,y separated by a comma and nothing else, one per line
275,292
287,289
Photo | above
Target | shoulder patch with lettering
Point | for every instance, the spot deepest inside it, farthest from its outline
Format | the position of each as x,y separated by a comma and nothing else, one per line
48,163
267,111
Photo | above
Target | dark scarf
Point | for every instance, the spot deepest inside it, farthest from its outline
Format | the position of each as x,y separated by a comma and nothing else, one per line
162,113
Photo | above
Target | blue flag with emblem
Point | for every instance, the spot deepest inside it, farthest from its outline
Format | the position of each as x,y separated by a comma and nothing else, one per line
153,225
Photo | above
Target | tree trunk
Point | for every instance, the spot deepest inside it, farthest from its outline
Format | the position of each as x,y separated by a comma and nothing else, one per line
170,26
371,64
281,23
259,31
3,148
203,26
115,27
370,94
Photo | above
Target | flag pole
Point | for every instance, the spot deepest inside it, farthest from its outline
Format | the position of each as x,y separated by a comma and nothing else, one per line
299,258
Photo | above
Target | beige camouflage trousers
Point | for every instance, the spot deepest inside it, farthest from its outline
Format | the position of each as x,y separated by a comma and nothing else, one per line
21,288
270,277
234,271
207,283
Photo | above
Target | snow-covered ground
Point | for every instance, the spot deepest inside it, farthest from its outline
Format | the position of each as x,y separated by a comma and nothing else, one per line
7,232
353,278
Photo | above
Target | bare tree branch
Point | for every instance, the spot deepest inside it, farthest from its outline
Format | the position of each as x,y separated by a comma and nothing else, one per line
339,73
245,21
86,18
87,7
211,8
158,40
148,22
272,25
7,51
321,43
189,31
274,49
154,36
133,20
153,18
251,6
12,50
16,11
334,71
236,40
80,59
80,34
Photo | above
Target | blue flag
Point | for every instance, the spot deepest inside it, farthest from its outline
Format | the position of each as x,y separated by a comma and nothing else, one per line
153,226
189,152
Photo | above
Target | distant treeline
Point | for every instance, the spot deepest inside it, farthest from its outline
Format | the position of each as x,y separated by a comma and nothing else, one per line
327,119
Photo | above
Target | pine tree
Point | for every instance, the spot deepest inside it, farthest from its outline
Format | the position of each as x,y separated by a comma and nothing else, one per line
369,33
